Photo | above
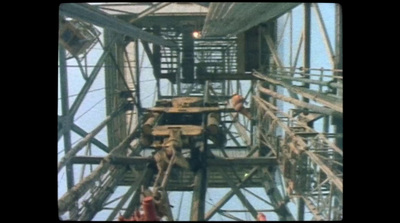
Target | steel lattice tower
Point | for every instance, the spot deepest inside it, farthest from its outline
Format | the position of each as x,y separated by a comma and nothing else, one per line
285,161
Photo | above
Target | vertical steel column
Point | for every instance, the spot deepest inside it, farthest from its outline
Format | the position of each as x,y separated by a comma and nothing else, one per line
306,65
178,74
114,82
253,113
338,40
326,124
200,179
187,55
67,122
199,192
307,43
291,38
338,65
273,30
157,60
139,103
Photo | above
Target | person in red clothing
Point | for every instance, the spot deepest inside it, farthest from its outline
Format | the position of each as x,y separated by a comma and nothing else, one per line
261,217
149,212
237,104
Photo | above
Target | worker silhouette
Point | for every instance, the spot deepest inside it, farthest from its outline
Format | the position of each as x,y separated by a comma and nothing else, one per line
237,104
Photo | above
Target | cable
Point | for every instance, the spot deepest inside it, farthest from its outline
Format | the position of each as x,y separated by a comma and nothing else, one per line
154,92
89,109
62,176
180,206
213,205
148,80
73,95
103,66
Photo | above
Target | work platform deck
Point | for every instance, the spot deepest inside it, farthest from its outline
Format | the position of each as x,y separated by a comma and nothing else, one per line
184,179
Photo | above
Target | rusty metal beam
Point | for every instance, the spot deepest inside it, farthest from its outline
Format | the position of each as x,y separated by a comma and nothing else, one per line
328,101
97,17
322,110
263,104
301,147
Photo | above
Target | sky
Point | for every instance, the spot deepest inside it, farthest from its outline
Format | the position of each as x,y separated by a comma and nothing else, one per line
92,112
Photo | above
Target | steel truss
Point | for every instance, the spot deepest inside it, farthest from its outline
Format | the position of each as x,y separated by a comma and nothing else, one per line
277,151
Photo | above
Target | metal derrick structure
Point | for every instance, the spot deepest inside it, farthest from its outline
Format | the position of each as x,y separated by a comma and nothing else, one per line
277,150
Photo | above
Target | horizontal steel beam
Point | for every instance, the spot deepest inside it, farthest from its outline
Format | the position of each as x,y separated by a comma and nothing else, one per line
149,10
222,18
225,76
97,17
189,109
253,161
